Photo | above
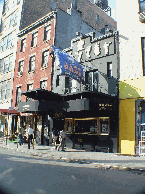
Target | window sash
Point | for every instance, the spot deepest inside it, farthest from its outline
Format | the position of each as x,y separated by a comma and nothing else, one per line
109,69
43,84
32,64
18,95
23,45
34,39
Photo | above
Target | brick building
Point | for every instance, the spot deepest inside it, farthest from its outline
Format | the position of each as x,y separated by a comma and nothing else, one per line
34,67
88,111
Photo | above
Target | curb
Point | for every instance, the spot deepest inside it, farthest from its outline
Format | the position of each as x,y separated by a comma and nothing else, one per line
140,171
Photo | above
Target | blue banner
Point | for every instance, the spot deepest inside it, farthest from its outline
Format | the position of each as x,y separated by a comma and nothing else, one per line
69,66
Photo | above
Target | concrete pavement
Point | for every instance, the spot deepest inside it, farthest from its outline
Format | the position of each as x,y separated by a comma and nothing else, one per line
99,159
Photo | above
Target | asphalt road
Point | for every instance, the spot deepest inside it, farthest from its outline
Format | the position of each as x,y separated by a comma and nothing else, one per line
25,175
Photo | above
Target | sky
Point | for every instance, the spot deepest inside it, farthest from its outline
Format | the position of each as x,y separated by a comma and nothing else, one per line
112,4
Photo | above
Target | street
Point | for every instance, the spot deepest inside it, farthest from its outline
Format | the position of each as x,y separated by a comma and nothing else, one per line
26,175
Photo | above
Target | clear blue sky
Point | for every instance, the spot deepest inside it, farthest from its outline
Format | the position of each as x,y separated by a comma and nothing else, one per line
112,4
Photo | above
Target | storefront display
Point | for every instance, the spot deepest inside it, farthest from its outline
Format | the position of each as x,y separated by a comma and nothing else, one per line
99,125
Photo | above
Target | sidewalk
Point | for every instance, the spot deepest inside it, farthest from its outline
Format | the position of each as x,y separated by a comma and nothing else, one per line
100,159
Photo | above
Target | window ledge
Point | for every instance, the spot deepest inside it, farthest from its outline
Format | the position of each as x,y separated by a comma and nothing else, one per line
45,40
43,68
33,47
30,72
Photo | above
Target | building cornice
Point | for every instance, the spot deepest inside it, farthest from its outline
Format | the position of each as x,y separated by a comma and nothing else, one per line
37,23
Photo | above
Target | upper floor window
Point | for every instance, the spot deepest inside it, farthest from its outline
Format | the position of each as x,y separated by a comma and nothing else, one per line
13,19
29,87
143,54
47,32
20,67
142,6
6,43
18,95
9,4
34,39
6,64
91,80
5,24
23,45
8,90
68,85
31,64
3,90
45,58
43,84
109,69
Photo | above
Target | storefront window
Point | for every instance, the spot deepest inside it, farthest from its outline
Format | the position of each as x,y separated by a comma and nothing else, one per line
100,126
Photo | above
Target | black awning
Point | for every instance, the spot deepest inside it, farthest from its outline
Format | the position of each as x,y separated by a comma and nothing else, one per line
89,95
41,95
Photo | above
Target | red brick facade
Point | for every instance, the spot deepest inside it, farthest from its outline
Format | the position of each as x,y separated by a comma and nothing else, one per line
39,73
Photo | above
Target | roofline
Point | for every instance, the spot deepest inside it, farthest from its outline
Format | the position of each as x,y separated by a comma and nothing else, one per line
37,23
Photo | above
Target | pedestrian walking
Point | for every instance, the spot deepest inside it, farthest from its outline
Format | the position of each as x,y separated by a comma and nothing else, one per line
20,138
62,138
30,136
54,137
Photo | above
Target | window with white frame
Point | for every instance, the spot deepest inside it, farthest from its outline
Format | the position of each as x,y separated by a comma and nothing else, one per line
8,90
18,95
6,43
3,90
68,85
91,80
47,32
43,84
20,67
45,58
29,88
34,39
23,45
1,65
13,19
9,4
109,69
6,64
31,64
5,25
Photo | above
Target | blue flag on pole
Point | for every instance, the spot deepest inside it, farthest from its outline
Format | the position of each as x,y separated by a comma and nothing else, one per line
69,66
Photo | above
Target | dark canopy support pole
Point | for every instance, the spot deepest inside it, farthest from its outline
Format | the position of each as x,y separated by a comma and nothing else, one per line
42,130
